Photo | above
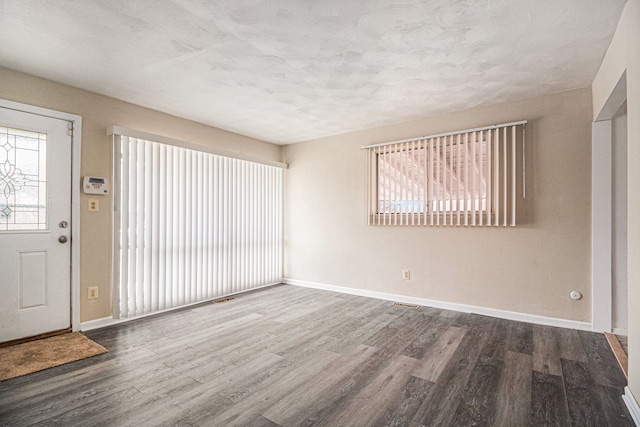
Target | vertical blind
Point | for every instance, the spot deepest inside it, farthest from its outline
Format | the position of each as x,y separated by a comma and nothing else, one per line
191,226
465,178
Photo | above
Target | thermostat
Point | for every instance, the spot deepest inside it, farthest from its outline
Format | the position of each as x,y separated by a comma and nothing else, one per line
95,185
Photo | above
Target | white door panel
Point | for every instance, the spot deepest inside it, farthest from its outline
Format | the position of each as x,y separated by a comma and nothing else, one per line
35,197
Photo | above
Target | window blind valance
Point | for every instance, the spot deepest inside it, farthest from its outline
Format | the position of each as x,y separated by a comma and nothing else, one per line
131,133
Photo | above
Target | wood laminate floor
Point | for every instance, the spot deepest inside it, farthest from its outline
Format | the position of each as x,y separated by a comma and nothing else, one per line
285,356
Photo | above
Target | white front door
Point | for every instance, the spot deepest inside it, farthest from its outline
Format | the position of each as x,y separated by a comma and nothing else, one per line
35,224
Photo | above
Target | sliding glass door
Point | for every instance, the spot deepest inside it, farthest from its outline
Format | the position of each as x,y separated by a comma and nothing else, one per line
191,226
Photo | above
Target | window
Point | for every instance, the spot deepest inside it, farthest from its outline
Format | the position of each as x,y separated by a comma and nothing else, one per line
23,180
462,178
191,226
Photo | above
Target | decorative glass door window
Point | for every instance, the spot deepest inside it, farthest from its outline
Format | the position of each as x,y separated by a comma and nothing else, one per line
23,180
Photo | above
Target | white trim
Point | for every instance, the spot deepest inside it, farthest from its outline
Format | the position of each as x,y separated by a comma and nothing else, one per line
420,138
76,145
464,308
115,235
110,321
76,160
601,168
632,405
119,130
101,323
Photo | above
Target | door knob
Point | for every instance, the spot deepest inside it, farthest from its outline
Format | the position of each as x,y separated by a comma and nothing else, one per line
62,239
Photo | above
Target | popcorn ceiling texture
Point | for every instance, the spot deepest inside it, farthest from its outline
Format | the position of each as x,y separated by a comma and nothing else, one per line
287,71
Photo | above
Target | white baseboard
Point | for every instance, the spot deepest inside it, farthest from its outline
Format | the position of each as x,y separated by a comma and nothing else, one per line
110,321
464,308
101,323
632,405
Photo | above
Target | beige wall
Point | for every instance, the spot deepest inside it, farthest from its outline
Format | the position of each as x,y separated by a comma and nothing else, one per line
624,55
98,113
528,269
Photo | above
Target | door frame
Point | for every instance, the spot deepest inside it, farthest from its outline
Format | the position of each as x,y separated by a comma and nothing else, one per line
76,143
601,216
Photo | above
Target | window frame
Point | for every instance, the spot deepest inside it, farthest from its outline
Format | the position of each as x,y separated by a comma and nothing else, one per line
493,175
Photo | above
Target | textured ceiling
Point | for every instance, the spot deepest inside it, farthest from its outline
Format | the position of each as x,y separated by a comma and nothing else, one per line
293,70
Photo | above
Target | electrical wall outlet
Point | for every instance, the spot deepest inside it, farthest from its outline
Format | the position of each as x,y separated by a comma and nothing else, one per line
94,205
92,292
406,274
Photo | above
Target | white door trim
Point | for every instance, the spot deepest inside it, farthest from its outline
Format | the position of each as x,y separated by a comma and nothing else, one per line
601,220
76,143
601,168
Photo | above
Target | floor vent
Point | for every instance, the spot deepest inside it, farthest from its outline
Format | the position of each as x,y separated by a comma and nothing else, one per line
400,304
221,300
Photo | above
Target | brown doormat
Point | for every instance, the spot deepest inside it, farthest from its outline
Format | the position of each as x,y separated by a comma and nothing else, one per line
22,359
